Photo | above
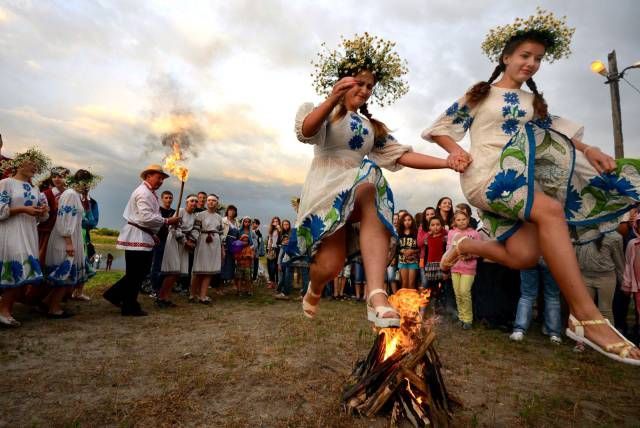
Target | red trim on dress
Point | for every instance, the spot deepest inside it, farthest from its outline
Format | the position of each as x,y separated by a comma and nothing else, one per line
134,244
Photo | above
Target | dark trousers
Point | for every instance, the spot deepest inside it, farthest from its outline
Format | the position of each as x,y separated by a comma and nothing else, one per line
138,264
156,278
272,268
254,273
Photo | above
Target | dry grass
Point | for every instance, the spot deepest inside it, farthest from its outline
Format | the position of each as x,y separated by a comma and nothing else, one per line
258,362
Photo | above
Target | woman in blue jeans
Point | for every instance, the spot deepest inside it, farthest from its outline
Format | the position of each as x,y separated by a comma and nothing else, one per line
529,282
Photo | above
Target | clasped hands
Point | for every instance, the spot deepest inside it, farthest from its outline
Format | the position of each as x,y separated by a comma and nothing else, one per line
459,160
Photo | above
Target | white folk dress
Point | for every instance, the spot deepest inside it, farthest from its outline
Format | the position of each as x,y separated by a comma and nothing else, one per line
19,263
175,260
514,156
207,259
345,156
63,270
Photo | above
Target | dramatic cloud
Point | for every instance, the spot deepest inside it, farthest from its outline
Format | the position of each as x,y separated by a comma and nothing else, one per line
100,84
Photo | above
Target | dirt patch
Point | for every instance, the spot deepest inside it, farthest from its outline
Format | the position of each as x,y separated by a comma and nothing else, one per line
259,362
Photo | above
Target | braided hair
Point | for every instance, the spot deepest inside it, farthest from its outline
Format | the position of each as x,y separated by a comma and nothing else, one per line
480,90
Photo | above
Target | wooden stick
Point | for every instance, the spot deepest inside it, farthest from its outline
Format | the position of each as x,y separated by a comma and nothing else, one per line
179,198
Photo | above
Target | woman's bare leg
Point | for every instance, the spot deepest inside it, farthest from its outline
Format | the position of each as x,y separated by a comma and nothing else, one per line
412,278
204,286
553,241
327,263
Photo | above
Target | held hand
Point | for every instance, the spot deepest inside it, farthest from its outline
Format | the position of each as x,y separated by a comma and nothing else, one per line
70,250
343,85
600,161
459,160
35,211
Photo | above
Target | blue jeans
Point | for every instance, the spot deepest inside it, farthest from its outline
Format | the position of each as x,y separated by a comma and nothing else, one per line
529,283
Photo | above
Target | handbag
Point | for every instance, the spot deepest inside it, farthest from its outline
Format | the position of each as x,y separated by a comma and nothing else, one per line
271,254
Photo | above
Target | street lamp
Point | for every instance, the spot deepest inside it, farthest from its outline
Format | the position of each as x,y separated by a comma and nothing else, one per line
613,77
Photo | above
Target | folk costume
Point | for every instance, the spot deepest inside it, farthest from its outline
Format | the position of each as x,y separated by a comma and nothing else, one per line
176,256
207,259
346,152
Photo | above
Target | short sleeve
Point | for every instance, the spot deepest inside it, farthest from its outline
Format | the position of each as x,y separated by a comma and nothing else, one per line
318,138
454,122
5,199
567,127
386,152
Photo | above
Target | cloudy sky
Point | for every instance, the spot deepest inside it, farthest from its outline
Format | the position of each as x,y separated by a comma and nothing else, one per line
91,83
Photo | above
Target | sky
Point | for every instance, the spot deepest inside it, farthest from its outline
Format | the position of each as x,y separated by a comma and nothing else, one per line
92,82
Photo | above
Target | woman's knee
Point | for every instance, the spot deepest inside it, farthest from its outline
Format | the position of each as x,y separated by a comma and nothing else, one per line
546,207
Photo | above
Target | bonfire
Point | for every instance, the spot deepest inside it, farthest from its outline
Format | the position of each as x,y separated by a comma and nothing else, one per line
401,375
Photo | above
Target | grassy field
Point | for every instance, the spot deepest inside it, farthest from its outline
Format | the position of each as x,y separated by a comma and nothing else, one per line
259,362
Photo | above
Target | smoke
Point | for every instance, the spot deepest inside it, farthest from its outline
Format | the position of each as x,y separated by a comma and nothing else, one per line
174,119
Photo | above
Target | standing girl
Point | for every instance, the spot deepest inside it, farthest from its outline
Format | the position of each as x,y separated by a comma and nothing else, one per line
444,209
342,186
58,179
66,259
532,176
207,259
181,240
273,251
244,257
463,271
423,231
229,234
631,279
435,243
22,206
283,289
408,252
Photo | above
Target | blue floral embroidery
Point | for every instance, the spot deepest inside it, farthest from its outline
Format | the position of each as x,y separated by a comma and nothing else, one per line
35,265
504,184
60,271
544,123
67,209
339,200
506,111
26,186
462,115
16,271
614,184
359,131
510,126
573,202
5,197
511,98
315,224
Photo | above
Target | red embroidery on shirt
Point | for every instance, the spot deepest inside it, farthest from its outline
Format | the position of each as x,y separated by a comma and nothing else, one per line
134,244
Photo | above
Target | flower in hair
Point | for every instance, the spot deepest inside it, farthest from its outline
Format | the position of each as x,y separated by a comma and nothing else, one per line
366,52
34,155
544,24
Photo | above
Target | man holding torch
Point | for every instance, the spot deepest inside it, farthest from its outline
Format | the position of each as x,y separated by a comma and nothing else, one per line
137,238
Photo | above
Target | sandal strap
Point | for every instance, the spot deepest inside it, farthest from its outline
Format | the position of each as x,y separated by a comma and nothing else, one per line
381,310
377,291
622,349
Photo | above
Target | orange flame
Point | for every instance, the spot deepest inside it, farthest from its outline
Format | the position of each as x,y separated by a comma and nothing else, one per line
408,303
171,164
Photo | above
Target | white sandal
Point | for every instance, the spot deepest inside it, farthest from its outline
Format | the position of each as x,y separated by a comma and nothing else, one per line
618,351
375,313
308,309
452,255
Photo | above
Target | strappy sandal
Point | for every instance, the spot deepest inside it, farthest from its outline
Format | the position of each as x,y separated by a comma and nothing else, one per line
375,313
452,255
309,309
618,351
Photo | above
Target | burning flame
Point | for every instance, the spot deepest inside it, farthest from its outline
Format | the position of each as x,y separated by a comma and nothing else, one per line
408,303
171,164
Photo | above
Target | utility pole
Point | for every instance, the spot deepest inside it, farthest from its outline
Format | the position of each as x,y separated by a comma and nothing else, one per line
615,105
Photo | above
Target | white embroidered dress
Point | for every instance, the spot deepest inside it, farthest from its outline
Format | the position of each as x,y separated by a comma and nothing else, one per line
207,259
19,263
345,156
63,270
514,156
175,260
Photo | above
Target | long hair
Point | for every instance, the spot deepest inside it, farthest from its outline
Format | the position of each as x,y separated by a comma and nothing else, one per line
425,223
480,90
449,217
413,228
271,224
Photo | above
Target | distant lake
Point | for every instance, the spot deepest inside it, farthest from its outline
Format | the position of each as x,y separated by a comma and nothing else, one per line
118,256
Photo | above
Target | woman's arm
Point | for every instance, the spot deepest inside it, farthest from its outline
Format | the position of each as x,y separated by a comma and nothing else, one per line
460,158
316,118
600,161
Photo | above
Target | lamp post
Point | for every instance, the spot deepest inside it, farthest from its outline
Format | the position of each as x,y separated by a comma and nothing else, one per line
613,77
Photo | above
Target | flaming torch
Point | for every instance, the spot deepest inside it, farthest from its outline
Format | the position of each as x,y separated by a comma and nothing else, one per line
171,164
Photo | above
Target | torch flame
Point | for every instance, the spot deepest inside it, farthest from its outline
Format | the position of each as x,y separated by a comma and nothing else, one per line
408,303
171,164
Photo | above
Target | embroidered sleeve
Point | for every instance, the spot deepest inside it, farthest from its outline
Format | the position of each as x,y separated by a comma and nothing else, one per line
5,199
68,212
386,152
318,138
454,122
146,215
562,125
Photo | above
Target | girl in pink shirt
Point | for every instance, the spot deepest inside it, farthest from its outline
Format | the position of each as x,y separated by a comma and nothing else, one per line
464,271
631,278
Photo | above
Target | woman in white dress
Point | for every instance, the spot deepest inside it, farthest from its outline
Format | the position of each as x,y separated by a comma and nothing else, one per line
207,259
537,185
181,240
345,184
66,260
22,206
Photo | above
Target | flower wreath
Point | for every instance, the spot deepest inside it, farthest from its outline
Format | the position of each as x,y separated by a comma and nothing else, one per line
88,183
544,24
361,53
33,154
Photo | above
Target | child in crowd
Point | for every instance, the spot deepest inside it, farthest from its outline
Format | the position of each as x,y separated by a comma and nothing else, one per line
408,252
435,244
631,279
464,271
244,258
423,231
